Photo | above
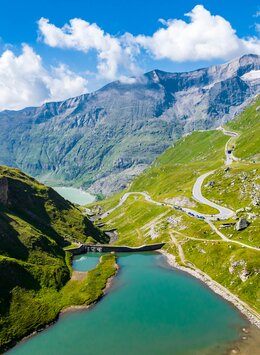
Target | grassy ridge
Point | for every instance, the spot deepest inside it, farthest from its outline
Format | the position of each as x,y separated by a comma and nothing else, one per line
247,124
36,224
237,189
174,172
44,209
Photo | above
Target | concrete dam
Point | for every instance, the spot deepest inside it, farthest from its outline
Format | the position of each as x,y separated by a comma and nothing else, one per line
101,248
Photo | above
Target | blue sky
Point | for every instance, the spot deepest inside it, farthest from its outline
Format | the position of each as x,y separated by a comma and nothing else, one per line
57,63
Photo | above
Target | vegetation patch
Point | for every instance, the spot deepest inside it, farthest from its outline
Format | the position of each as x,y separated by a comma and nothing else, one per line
35,303
36,225
234,267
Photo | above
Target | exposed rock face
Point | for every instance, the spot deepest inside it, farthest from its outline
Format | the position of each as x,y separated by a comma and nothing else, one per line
211,183
244,275
241,224
118,130
181,201
235,264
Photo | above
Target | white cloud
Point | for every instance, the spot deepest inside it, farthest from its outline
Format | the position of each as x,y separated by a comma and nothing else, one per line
112,52
63,83
25,82
204,37
127,80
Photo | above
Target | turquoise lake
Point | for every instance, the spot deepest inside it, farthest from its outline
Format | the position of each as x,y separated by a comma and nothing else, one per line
150,309
85,262
75,195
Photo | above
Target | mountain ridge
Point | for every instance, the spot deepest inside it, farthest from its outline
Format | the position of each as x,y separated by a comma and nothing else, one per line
146,74
102,140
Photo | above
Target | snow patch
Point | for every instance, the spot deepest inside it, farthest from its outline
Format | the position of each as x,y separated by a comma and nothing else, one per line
251,76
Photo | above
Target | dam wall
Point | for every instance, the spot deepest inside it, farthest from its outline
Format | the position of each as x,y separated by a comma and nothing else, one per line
100,248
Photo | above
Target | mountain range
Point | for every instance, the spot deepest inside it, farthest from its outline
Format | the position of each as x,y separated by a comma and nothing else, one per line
102,140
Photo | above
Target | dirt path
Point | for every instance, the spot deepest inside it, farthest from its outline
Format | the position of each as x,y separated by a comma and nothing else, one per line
78,275
179,248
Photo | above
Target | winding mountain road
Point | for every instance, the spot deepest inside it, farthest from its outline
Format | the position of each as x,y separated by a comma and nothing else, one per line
207,220
229,152
146,196
224,213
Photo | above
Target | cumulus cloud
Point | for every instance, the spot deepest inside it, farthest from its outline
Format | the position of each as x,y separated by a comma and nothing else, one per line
203,37
112,52
24,81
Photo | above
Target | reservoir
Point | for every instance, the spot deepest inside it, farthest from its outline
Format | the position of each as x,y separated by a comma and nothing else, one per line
75,195
150,309
85,262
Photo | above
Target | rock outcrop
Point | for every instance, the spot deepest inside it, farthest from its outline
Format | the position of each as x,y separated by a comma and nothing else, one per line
241,224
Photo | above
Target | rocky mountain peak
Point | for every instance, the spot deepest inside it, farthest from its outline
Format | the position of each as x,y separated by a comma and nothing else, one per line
82,139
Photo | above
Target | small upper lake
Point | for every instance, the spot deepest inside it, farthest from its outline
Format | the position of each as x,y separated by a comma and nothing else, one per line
151,309
75,195
85,262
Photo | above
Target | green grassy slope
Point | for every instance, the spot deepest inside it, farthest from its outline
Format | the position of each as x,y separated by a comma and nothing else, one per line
239,187
138,221
171,178
248,126
43,208
35,304
35,225
175,171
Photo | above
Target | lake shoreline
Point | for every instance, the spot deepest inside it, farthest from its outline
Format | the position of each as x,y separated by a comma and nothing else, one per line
75,195
109,284
68,309
215,287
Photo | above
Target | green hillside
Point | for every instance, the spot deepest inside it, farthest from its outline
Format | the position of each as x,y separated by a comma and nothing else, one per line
193,241
239,187
248,126
35,272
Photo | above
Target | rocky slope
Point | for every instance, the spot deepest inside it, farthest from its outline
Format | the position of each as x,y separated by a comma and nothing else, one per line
102,140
